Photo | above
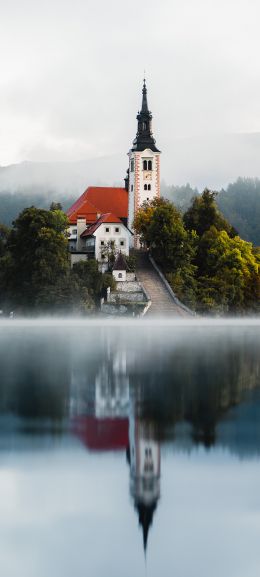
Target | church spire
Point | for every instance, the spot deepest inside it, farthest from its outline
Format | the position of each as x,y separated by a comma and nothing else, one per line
145,109
144,137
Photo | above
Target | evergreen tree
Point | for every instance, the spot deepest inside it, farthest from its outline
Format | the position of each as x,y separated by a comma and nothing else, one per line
204,213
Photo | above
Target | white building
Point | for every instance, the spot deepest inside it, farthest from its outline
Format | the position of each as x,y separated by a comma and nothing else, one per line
106,235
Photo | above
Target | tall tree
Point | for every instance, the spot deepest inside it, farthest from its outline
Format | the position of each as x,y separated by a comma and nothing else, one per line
38,250
204,213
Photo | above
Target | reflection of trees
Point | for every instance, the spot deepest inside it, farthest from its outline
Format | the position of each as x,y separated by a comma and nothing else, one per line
196,383
35,377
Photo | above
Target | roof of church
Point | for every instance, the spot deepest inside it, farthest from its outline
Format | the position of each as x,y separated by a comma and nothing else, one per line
109,217
107,434
99,200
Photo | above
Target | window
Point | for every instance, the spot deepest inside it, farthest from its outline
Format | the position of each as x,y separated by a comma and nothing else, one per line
107,229
74,231
122,243
145,165
120,275
147,198
145,187
149,187
117,229
132,165
144,126
102,243
150,165
132,187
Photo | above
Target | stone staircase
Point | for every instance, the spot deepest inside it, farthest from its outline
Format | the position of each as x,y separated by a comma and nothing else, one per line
162,302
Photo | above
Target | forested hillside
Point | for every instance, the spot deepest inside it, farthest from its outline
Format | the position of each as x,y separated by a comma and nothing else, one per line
240,203
181,196
11,204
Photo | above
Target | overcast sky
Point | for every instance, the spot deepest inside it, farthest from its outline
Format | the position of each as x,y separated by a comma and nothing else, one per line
71,75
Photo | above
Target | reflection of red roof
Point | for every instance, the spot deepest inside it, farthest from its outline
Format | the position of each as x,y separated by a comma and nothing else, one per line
102,434
104,218
99,199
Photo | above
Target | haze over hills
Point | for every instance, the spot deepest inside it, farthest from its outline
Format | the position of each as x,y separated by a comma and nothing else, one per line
211,161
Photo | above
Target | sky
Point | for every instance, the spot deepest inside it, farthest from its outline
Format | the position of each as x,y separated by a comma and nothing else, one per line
71,75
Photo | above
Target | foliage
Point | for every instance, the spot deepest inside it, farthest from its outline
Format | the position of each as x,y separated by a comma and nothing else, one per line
4,233
37,246
208,266
90,277
240,203
108,253
228,274
130,262
13,203
204,213
161,228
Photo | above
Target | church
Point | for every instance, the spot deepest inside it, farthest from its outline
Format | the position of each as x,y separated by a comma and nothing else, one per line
103,217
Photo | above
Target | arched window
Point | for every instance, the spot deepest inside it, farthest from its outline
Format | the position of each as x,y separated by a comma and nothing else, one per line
145,187
149,187
150,165
145,165
144,125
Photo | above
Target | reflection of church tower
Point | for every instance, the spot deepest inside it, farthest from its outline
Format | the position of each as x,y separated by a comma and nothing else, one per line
144,460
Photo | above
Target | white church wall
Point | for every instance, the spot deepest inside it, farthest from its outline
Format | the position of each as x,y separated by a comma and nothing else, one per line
115,232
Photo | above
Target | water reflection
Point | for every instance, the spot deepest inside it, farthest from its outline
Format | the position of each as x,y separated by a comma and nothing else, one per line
132,391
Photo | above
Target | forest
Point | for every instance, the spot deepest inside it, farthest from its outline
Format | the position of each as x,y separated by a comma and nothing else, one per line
209,267
239,202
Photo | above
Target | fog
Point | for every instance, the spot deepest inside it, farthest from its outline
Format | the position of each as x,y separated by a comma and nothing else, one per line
71,87
211,161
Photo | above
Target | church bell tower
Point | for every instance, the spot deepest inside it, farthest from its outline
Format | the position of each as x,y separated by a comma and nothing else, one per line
144,163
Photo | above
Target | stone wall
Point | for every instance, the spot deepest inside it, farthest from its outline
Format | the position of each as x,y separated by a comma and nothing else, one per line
127,297
128,287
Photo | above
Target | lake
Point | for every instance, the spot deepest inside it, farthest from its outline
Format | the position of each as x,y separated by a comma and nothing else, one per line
130,448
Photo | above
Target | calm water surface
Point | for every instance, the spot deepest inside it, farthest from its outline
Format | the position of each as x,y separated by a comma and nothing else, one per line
129,449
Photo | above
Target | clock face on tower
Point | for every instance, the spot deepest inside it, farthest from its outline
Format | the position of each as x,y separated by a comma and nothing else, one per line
148,176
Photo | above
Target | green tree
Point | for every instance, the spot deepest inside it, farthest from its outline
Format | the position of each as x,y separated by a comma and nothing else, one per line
228,273
39,258
161,227
92,279
240,203
204,213
4,233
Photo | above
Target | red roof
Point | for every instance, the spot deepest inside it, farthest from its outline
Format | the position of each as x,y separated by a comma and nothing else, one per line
104,218
99,200
102,434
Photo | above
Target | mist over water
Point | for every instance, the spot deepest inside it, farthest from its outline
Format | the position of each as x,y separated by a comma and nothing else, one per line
122,441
